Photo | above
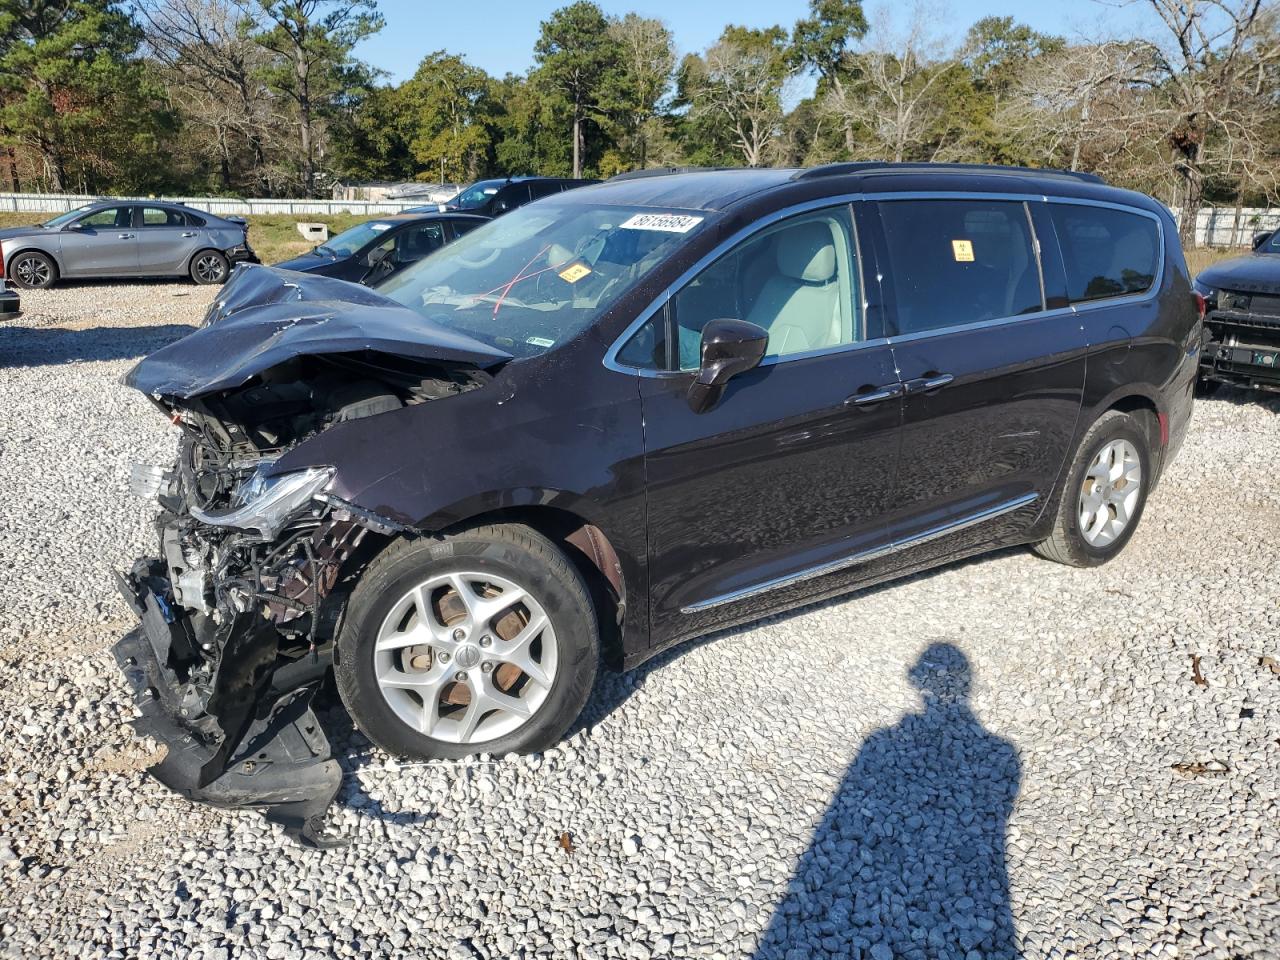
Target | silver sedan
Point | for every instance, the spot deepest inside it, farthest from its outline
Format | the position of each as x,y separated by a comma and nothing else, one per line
113,238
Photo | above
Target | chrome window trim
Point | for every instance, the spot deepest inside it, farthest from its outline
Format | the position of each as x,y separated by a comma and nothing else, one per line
659,302
863,556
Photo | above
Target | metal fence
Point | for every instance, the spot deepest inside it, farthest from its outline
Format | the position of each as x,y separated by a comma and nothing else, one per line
52,203
1229,227
1215,226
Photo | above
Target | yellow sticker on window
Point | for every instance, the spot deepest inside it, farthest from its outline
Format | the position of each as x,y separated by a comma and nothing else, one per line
574,272
962,250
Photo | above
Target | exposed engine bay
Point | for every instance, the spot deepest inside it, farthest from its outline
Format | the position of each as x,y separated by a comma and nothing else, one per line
239,606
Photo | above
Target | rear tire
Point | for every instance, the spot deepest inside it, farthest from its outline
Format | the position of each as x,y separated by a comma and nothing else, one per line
209,267
461,686
1104,494
33,270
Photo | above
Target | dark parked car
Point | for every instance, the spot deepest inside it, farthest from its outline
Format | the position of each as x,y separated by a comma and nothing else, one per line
372,251
113,238
1242,320
630,415
492,198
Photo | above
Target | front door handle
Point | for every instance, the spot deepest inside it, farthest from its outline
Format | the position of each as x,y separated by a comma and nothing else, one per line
875,395
126,236
927,383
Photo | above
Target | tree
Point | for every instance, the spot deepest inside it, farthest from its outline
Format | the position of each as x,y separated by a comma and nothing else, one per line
893,106
576,53
74,91
997,49
212,71
1206,106
312,66
821,42
449,112
636,90
736,87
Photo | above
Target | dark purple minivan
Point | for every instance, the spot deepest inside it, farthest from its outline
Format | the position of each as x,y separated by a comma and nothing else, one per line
621,417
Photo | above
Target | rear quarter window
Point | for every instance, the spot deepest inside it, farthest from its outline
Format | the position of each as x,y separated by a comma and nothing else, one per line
1107,252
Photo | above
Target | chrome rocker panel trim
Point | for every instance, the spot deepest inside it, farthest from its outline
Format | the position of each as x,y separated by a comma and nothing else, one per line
865,555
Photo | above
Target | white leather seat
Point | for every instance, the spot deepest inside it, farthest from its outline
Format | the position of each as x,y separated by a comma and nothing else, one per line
799,305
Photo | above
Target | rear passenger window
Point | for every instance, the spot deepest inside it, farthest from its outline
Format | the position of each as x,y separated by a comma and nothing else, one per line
960,261
162,217
1107,252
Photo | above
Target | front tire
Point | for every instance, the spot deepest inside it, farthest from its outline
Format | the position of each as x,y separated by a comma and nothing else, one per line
483,640
33,270
1105,493
209,267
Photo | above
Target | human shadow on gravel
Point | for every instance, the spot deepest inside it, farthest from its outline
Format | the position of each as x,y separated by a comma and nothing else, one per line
909,859
48,346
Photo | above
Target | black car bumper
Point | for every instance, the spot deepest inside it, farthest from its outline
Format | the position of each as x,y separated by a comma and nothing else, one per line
1241,348
279,763
10,304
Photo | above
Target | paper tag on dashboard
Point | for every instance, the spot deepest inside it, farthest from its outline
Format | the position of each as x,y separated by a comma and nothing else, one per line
962,250
666,222
574,272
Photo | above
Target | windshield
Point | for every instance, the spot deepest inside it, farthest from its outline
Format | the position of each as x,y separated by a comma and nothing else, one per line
62,219
1272,245
351,241
540,275
476,195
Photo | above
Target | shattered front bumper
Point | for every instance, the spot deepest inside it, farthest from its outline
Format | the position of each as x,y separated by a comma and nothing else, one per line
268,753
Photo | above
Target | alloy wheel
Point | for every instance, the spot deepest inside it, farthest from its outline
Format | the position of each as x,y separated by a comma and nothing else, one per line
32,271
1110,493
209,268
466,657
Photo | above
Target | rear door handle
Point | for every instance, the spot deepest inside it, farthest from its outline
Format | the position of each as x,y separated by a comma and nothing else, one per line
925,384
189,233
875,395
126,236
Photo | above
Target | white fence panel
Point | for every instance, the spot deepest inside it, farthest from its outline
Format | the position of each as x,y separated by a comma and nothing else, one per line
1220,227
52,203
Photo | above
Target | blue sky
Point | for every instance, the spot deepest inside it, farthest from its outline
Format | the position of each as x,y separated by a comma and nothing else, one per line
498,35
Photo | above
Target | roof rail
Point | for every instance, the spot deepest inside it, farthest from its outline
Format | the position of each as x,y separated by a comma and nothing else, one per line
877,166
663,172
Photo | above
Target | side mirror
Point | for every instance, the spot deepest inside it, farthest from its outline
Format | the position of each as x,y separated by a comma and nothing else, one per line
77,226
729,347
1260,238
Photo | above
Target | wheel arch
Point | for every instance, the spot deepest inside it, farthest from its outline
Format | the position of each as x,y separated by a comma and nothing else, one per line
591,552
56,258
207,248
1146,410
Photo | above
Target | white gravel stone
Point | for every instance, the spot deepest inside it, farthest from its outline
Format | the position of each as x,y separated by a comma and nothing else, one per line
785,790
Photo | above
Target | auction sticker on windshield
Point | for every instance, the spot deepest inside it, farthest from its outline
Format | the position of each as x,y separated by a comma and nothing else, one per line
666,222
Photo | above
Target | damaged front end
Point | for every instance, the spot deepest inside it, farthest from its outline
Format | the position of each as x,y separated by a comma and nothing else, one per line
240,606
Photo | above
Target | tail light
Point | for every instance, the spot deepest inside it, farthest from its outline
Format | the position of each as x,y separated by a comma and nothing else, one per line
1201,306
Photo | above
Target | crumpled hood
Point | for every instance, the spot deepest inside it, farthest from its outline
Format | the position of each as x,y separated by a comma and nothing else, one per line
267,316
1252,273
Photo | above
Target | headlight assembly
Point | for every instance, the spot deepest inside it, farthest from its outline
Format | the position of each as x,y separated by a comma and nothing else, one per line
265,504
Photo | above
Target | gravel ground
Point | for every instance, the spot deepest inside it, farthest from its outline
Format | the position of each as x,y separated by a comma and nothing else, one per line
1003,757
